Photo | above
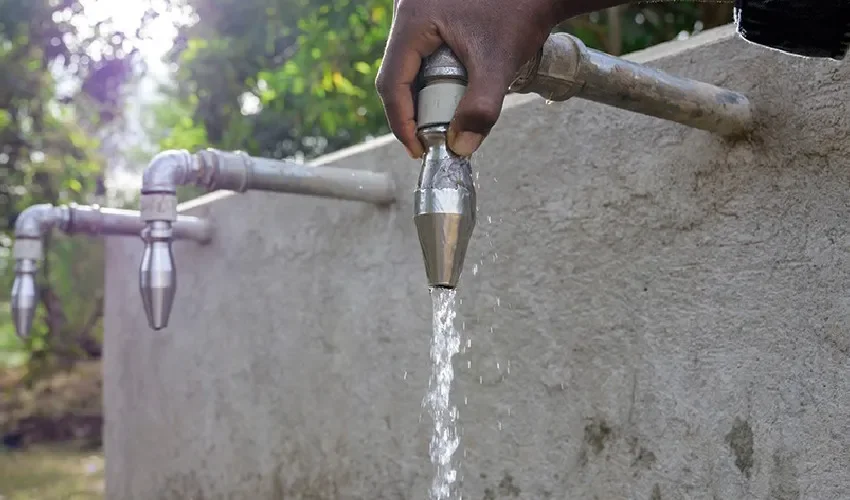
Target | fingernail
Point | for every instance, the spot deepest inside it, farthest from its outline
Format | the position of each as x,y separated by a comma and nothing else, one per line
464,143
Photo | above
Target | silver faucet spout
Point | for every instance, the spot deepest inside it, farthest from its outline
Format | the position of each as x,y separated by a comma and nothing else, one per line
24,296
34,222
157,275
444,200
232,171
444,209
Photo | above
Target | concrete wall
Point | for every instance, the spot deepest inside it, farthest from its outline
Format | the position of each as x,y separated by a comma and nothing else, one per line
654,314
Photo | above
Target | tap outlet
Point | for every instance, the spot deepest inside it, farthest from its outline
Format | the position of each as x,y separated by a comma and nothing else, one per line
444,200
157,274
444,204
24,296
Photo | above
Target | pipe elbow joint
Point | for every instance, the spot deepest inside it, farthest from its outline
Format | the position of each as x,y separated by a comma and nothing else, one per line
167,170
35,220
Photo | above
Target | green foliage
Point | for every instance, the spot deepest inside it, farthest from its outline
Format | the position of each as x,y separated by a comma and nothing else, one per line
49,154
326,86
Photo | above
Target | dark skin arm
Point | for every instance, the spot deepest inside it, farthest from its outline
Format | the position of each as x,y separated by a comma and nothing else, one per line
492,38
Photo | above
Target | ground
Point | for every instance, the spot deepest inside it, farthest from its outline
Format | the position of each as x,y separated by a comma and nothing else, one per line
51,473
50,435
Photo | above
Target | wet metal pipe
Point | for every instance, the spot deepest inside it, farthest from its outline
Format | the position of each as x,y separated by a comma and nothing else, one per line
566,68
34,222
232,171
444,200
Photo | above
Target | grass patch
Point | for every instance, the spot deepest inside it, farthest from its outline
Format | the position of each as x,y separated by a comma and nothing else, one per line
51,474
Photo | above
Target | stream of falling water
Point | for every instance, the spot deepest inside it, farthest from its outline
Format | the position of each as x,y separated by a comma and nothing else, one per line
445,343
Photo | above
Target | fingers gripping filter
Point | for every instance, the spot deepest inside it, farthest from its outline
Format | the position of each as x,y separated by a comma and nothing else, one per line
443,82
444,201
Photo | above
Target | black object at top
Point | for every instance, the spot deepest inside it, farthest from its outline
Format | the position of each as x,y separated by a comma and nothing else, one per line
811,28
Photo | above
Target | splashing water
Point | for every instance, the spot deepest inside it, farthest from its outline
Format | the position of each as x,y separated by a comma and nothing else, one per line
445,343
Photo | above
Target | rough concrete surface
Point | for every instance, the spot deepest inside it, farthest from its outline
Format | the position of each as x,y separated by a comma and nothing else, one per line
654,313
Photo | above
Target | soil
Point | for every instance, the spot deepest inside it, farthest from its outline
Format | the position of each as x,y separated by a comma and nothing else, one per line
63,407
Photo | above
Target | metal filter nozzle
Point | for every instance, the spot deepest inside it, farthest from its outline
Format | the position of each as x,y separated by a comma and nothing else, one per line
444,200
24,296
157,274
444,209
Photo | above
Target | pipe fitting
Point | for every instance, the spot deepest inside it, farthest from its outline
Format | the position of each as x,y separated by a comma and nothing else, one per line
554,72
169,169
225,170
34,222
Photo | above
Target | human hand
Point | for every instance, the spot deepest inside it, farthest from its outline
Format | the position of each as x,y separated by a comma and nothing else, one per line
492,38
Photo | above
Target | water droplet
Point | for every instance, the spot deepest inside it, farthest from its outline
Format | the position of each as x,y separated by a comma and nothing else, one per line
475,270
465,400
497,366
489,220
509,367
500,425
480,379
549,101
495,179
405,375
498,302
469,343
491,329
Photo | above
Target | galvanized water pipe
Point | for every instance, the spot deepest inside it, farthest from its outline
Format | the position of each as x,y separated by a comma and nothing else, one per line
232,171
34,222
566,68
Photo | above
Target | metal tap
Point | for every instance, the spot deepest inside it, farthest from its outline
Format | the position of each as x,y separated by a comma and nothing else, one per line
563,68
444,200
232,171
34,222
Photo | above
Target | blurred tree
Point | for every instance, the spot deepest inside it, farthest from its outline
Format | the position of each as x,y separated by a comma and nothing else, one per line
61,80
293,78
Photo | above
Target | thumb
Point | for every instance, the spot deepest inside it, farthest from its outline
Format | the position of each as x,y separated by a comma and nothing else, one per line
477,111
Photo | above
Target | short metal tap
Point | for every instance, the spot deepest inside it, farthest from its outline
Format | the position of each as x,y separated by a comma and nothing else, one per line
233,171
444,200
34,222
